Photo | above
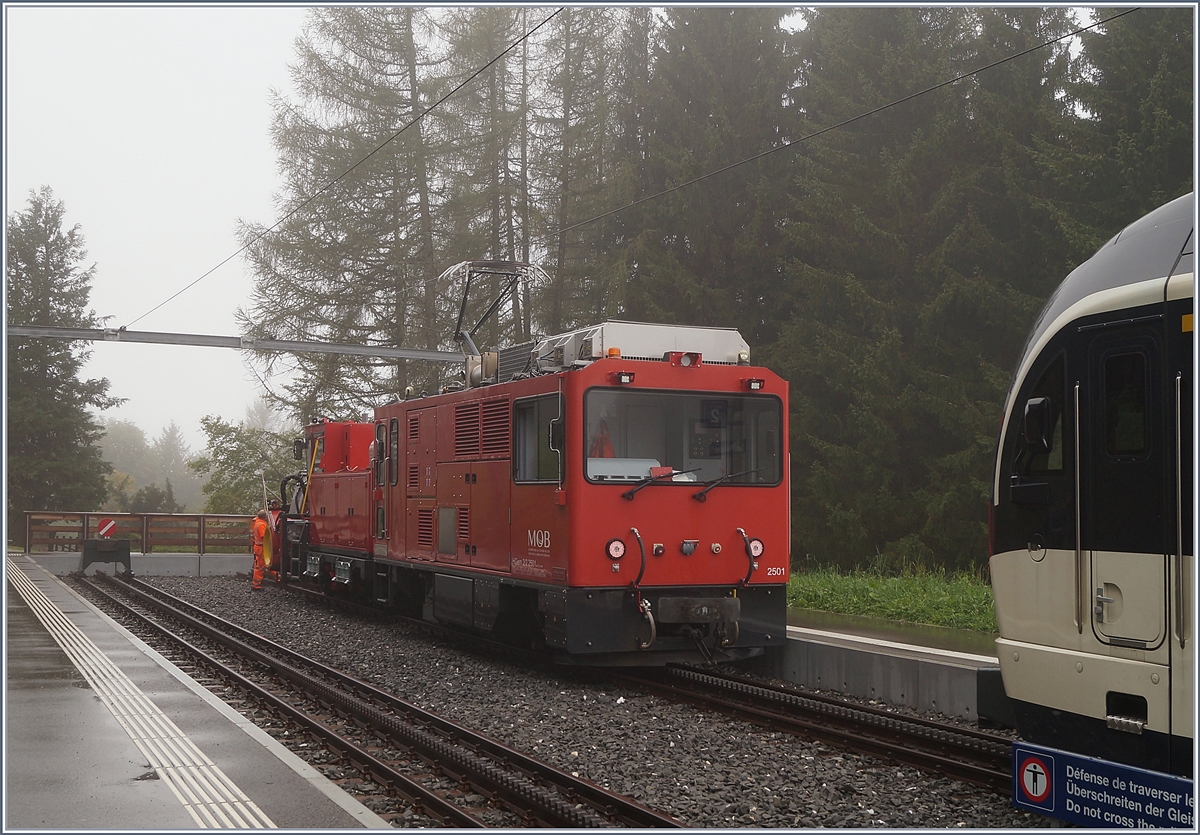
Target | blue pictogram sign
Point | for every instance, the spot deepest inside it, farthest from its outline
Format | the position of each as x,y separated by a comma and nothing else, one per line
1098,793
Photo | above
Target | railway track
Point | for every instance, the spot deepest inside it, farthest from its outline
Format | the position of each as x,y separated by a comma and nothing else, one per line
462,778
965,754
947,750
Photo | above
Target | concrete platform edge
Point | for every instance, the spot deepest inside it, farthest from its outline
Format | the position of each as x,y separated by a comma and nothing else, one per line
349,804
955,684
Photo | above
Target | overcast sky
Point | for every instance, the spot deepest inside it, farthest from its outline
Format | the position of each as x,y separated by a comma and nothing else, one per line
151,124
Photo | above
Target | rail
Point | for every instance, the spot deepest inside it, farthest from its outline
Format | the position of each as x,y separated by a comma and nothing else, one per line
50,531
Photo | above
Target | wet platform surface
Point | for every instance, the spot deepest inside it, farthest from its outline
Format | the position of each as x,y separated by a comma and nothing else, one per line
913,634
104,733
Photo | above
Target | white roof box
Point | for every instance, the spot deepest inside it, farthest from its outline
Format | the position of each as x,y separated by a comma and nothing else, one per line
640,341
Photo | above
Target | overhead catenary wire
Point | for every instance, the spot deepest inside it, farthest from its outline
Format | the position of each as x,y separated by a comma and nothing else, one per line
656,195
349,170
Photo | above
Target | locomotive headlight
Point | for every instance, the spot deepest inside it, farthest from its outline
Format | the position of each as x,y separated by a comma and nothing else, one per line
755,384
623,378
615,549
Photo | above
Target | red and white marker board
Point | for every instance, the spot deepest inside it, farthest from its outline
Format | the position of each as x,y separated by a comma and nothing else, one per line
107,528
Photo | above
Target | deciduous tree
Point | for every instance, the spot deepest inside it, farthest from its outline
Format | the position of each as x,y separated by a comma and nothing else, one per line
238,459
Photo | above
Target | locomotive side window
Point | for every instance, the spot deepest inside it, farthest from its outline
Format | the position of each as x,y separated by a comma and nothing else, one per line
1052,387
319,455
704,437
380,455
394,451
536,454
1125,404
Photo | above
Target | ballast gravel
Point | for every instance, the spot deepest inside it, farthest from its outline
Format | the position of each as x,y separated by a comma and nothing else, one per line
704,769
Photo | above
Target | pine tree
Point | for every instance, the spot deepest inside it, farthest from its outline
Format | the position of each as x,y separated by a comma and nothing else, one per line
709,252
577,166
356,262
1130,146
919,240
54,462
171,453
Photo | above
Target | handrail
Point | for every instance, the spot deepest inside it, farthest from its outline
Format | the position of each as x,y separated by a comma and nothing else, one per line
1078,525
1180,624
65,530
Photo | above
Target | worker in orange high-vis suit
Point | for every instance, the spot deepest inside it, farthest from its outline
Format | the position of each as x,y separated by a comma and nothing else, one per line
258,532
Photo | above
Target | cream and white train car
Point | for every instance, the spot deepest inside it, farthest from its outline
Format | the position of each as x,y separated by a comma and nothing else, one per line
1092,506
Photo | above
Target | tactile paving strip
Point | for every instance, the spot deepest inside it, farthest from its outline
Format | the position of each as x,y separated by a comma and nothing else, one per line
210,797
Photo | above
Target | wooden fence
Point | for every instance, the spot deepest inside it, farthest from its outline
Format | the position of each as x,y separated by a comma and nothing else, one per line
198,533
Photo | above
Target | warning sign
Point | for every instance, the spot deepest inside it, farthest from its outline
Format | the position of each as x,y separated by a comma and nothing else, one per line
1098,793
1035,782
107,528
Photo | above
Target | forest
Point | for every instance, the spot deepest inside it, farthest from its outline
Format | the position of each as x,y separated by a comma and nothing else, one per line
879,199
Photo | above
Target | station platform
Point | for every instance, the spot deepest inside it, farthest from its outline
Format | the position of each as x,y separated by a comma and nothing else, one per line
966,685
102,732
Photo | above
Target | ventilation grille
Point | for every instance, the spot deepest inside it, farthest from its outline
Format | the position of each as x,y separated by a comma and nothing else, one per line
414,476
466,430
495,427
414,427
515,360
464,525
425,528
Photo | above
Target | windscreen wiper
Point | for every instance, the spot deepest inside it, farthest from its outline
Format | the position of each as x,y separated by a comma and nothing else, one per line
650,479
700,497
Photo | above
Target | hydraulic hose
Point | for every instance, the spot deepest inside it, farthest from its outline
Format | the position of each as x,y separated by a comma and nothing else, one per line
642,604
642,548
749,556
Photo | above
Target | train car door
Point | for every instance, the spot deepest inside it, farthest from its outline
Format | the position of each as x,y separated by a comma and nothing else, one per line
490,488
1124,483
380,503
420,484
539,530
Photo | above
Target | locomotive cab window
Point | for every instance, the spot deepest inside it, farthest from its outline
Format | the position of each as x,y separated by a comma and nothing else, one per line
1047,419
394,451
705,437
380,453
537,439
1125,405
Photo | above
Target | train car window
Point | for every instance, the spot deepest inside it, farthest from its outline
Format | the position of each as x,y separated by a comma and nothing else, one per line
1051,385
536,455
380,452
394,451
318,465
705,436
380,522
1125,404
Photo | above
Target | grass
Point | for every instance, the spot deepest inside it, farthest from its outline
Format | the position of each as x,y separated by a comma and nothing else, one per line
961,600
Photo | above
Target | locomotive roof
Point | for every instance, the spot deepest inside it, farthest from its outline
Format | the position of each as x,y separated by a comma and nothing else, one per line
1144,250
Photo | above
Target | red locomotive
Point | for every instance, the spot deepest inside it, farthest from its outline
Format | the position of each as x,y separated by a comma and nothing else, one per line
620,492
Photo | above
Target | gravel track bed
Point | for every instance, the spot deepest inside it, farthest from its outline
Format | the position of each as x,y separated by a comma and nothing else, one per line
705,770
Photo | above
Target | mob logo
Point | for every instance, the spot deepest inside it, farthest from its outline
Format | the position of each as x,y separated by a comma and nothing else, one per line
539,539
